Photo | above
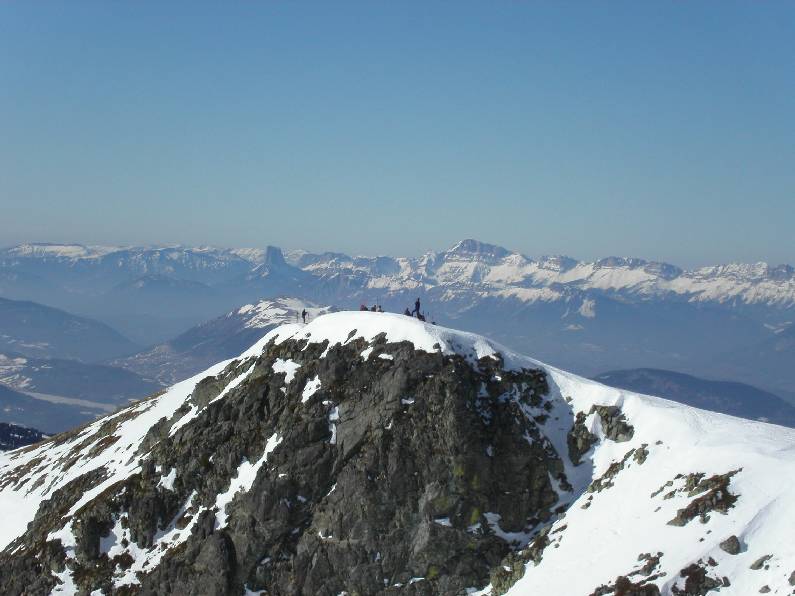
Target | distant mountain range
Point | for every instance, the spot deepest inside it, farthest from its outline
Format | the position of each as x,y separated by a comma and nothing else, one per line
736,399
49,375
35,330
467,266
613,313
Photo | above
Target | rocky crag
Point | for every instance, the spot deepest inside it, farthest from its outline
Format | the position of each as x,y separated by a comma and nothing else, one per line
369,453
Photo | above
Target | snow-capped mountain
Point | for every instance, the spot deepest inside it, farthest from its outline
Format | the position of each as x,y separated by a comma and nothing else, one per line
371,453
199,263
468,264
217,339
149,293
589,317
475,265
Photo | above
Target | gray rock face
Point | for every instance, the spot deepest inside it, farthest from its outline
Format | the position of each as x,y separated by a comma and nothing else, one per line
580,439
761,562
614,423
731,545
697,582
711,494
389,478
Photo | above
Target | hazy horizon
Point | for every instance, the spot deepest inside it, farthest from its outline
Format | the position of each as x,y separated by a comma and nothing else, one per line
289,249
659,131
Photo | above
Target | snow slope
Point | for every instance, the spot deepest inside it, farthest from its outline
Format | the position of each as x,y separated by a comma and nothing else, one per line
599,538
624,521
267,313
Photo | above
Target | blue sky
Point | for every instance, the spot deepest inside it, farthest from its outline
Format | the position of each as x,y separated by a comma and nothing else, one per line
664,130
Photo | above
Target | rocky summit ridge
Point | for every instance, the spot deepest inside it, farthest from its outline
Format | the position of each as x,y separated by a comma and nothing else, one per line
371,453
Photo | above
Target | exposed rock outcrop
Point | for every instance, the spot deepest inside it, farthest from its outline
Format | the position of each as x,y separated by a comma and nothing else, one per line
412,465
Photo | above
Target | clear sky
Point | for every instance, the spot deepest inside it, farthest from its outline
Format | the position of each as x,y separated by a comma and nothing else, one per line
657,129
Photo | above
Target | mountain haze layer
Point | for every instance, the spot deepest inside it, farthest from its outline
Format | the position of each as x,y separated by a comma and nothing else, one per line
50,416
217,339
39,331
73,379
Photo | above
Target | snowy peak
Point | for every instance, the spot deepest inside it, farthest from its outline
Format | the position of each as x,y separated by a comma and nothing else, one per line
60,251
343,327
478,250
747,272
502,474
557,263
269,313
654,268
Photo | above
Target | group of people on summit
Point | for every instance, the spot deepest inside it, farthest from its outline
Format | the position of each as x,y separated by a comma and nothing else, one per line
416,311
374,308
407,312
377,308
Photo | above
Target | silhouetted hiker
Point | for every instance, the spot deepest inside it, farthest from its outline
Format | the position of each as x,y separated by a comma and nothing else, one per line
407,312
416,308
303,315
380,309
363,307
373,308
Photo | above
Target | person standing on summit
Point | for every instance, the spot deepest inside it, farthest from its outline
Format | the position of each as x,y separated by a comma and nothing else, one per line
416,308
303,315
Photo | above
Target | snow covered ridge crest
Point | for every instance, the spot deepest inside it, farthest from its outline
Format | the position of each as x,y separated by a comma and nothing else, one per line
267,313
412,457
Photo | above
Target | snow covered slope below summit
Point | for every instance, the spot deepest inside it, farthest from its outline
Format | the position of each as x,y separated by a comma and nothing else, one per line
342,327
267,313
662,507
648,490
